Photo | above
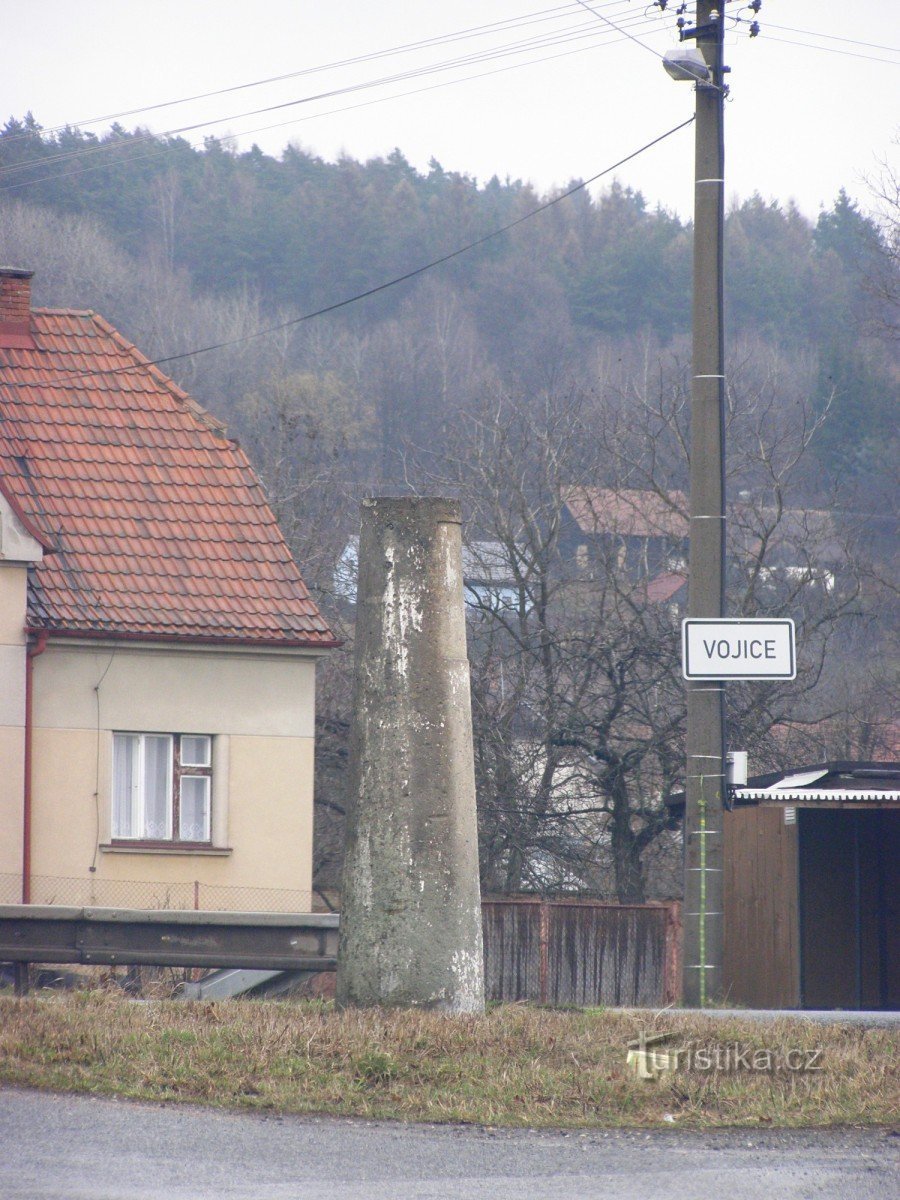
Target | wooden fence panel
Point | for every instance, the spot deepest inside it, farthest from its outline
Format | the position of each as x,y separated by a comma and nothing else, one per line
581,952
512,950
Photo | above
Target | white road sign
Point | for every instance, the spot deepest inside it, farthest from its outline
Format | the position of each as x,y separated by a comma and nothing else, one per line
738,648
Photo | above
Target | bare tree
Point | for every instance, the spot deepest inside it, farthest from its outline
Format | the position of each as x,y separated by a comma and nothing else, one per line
310,438
577,689
78,265
576,705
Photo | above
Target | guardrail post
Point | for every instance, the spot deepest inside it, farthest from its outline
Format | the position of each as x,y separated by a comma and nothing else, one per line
21,976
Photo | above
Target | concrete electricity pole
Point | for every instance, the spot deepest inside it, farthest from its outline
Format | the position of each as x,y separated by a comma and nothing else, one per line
705,774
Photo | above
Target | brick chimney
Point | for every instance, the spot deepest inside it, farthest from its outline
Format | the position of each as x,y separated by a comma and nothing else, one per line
15,309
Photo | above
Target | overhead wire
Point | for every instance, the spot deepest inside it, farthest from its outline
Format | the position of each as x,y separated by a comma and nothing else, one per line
829,49
381,287
537,17
520,47
701,79
165,150
129,144
407,47
601,17
833,37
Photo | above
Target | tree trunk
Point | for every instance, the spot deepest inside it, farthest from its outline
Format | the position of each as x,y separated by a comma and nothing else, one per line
626,852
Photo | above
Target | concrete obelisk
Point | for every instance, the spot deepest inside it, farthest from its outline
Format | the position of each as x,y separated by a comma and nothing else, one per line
411,903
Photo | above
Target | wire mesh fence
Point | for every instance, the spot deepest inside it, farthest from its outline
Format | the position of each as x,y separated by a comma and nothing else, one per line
142,894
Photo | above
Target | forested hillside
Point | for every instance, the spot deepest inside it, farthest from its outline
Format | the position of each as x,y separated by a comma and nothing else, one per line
555,355
296,233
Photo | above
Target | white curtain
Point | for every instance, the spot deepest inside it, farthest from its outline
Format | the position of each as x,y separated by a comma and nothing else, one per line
194,812
157,788
126,790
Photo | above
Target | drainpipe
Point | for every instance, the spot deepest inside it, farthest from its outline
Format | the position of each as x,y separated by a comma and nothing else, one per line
36,648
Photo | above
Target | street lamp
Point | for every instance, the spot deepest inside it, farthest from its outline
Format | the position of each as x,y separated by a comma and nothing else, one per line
686,64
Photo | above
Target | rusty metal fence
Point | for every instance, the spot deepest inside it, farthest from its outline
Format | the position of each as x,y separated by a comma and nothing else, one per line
131,893
582,952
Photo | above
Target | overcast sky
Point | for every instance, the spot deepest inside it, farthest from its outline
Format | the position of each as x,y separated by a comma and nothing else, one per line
809,112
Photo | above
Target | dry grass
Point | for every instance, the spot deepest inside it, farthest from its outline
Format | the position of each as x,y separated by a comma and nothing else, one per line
515,1066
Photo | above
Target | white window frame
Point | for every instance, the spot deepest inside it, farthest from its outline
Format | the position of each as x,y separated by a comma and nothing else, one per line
176,773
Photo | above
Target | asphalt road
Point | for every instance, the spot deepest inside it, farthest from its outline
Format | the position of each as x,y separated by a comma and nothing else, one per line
868,1018
74,1147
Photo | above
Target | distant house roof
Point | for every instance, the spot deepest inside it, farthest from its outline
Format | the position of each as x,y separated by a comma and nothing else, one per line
795,534
488,562
834,782
153,522
631,512
664,587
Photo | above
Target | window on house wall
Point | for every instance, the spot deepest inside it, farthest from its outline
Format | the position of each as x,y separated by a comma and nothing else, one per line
162,787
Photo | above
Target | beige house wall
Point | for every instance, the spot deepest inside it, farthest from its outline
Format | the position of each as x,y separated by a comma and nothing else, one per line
13,579
145,689
259,709
12,788
18,549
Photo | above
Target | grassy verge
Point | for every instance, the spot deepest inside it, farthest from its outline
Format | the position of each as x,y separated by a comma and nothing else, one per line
515,1066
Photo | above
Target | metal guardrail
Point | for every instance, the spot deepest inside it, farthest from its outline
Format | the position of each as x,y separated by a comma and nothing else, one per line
168,938
551,952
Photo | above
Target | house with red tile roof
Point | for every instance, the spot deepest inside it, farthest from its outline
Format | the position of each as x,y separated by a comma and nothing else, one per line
641,532
157,642
644,534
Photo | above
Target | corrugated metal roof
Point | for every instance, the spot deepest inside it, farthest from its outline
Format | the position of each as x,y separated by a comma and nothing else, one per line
837,782
156,524
808,795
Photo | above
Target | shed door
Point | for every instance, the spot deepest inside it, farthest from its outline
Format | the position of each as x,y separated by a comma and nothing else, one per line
850,955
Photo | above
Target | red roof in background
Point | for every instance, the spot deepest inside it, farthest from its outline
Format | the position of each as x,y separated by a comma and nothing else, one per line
663,587
630,512
156,525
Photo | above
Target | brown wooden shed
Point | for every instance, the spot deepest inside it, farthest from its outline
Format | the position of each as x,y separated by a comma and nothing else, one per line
812,888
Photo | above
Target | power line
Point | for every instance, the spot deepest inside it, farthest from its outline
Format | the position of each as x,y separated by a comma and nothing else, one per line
425,43
520,47
699,78
601,17
165,150
539,16
831,50
381,287
37,163
831,37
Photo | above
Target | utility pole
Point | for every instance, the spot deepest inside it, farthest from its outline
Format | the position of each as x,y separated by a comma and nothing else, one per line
705,774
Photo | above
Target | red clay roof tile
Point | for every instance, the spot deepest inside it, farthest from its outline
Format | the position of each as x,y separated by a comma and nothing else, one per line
156,525
629,513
